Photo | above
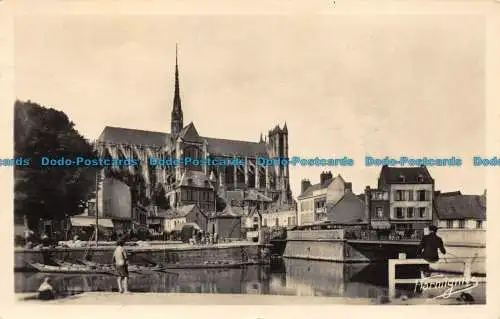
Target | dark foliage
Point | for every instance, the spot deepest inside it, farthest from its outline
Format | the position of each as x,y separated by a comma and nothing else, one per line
49,192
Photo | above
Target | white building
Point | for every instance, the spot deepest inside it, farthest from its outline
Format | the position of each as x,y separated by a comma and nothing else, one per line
410,192
457,211
312,202
280,219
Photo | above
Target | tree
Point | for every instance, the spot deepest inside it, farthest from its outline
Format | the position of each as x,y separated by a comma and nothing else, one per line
49,192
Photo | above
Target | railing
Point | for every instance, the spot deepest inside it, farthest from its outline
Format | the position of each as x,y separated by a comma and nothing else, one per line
316,234
393,281
374,235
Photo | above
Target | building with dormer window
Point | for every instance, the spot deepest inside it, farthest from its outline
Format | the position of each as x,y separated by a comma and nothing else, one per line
409,192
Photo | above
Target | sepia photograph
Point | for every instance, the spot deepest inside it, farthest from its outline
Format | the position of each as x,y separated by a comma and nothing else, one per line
270,159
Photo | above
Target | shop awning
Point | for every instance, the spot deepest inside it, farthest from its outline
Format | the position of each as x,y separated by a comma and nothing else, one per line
381,224
79,221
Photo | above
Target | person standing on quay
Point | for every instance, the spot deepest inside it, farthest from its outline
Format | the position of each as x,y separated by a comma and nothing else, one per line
121,263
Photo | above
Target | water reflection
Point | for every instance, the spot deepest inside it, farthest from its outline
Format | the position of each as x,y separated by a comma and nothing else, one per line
290,277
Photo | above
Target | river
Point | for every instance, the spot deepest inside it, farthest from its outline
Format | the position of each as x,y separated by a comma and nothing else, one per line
294,277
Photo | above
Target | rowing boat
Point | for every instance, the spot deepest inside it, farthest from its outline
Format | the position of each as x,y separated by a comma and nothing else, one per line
69,269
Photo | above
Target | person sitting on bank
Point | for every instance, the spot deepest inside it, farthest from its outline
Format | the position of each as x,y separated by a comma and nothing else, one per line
46,291
429,247
121,263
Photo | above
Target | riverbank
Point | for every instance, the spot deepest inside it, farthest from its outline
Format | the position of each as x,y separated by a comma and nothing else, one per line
110,298
168,255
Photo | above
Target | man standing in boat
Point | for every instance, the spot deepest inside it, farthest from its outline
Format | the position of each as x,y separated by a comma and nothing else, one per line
121,264
429,247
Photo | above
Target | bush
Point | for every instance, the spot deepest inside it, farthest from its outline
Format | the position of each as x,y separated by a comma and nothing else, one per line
19,241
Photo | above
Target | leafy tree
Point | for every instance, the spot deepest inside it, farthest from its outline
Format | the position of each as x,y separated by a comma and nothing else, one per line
49,192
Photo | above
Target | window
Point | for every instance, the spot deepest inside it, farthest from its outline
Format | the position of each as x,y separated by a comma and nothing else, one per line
256,219
421,195
402,178
410,212
265,222
410,195
380,212
461,224
289,221
277,222
449,224
399,195
293,220
420,178
421,212
479,224
399,212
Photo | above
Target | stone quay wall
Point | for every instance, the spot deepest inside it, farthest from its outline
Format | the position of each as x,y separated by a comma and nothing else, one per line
463,243
168,256
328,245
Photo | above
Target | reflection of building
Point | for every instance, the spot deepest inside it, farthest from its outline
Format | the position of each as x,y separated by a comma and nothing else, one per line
190,182
454,210
410,191
313,199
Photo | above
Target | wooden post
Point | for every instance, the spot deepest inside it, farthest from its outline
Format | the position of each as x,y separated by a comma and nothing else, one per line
392,278
468,269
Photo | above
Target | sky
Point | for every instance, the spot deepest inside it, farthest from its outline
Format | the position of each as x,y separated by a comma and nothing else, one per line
346,85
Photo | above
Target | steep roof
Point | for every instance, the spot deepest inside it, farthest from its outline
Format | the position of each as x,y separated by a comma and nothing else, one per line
348,210
253,195
190,134
225,147
181,211
120,135
311,189
461,207
216,146
195,179
230,211
393,175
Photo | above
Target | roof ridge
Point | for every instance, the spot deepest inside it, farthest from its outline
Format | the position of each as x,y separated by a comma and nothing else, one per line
226,139
133,129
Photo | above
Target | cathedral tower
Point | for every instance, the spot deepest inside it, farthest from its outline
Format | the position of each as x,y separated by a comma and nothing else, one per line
278,147
176,123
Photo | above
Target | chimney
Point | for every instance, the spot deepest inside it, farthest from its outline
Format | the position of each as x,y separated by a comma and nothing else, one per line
324,177
304,184
348,187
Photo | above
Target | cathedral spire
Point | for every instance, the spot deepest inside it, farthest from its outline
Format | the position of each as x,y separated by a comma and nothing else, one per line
176,120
